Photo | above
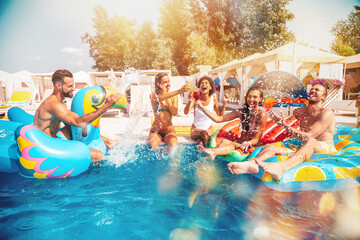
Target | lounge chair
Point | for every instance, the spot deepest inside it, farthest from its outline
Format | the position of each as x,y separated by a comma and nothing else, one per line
21,97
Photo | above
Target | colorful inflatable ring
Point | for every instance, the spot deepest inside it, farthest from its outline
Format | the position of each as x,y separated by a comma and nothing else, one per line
26,149
273,133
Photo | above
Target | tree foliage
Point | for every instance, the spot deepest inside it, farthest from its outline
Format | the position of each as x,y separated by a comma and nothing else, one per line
347,34
174,24
163,52
112,45
145,43
190,33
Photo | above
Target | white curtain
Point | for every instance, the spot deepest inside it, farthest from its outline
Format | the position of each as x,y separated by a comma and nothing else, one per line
270,66
288,66
239,74
305,70
331,71
221,76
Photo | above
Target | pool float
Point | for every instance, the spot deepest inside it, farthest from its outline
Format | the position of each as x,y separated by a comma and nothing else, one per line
89,100
26,149
323,172
272,133
17,114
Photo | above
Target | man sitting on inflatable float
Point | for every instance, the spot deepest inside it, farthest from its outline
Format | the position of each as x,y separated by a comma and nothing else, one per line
317,126
53,111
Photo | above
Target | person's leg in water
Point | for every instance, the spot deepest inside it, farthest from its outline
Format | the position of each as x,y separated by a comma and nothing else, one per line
223,148
171,140
171,178
251,166
154,139
277,169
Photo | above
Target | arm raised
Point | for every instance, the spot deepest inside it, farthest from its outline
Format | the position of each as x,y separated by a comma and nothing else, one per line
163,96
216,118
69,117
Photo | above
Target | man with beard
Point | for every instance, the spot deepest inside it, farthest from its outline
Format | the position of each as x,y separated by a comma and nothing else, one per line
52,111
317,126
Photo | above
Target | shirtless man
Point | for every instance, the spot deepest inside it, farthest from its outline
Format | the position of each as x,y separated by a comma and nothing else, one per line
317,126
52,111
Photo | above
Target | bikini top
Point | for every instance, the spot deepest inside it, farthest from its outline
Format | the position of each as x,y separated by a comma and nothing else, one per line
159,108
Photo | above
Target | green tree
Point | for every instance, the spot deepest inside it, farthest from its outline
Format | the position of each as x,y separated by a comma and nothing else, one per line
174,24
144,54
347,34
239,28
215,20
113,43
199,52
264,25
163,55
342,48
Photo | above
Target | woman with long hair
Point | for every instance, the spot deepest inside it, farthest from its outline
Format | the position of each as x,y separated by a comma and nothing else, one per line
252,125
165,106
202,128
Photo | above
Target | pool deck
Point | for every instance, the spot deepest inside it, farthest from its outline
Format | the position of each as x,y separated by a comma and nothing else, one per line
116,127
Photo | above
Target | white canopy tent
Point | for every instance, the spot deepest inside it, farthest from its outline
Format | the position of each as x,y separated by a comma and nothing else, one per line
352,72
23,79
7,82
302,61
82,79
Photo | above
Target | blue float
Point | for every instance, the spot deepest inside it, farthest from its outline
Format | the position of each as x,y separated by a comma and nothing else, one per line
26,149
323,172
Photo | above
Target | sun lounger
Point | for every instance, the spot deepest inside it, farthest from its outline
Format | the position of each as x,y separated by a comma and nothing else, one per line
21,97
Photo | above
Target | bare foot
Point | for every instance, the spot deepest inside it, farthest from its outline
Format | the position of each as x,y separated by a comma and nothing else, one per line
273,168
243,167
208,151
200,142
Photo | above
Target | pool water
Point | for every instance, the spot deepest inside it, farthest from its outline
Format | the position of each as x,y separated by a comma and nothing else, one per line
138,193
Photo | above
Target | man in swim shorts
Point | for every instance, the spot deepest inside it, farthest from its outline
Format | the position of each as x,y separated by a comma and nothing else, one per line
52,111
317,126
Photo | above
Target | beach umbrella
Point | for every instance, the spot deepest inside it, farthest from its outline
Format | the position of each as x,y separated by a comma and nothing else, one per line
277,84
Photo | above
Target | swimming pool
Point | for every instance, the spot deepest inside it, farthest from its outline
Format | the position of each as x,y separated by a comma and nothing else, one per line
139,193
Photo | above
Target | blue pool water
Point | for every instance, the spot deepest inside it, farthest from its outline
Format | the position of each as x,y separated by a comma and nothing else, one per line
139,193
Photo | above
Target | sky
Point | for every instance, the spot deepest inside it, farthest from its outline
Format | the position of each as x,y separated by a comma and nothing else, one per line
42,36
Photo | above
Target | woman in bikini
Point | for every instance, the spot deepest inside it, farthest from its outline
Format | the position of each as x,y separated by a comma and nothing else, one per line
252,125
202,129
165,106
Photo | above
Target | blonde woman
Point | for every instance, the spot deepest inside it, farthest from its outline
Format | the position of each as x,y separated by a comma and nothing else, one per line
165,106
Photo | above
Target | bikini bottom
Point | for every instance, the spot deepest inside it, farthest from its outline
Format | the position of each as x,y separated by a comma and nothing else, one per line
162,134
